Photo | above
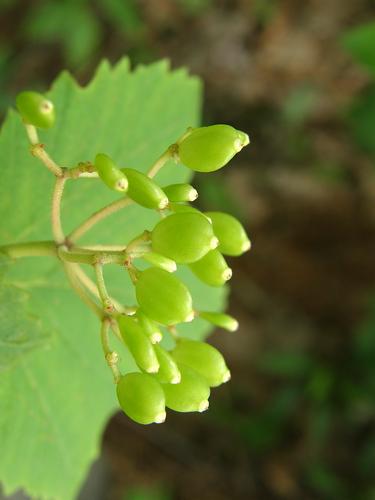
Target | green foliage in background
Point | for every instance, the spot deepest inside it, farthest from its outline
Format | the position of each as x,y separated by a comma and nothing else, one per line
57,398
360,42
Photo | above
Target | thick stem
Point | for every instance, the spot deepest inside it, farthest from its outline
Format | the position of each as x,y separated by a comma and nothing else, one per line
81,256
83,169
32,249
57,229
102,289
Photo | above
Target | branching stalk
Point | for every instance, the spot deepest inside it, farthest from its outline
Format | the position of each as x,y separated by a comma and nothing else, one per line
83,256
57,229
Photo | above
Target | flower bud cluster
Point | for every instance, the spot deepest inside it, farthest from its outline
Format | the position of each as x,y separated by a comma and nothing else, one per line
179,379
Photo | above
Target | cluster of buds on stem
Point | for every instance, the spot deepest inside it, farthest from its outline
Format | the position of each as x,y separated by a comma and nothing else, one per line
181,378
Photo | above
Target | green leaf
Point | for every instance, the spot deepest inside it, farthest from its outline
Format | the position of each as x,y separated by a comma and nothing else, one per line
360,42
21,331
55,402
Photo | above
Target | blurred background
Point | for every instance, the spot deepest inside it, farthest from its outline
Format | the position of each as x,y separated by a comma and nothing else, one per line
297,420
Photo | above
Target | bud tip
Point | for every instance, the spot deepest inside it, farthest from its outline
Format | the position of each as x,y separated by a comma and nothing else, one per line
246,246
193,195
234,326
47,106
172,266
156,338
226,376
203,406
189,317
227,274
176,379
214,243
122,185
159,419
154,368
163,203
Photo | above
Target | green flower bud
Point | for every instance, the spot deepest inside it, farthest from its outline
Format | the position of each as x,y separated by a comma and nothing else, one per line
233,239
191,394
35,109
180,192
204,359
163,297
168,372
149,327
110,174
209,148
138,344
212,269
158,260
180,208
221,320
144,190
142,398
184,237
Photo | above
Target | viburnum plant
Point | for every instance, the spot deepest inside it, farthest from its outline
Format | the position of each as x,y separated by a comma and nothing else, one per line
164,368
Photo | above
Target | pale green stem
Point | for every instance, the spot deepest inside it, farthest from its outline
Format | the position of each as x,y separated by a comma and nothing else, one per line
39,152
110,356
32,134
86,257
83,169
90,285
102,289
160,162
57,229
31,249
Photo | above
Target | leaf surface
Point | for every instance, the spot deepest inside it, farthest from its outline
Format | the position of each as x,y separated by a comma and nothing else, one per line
55,401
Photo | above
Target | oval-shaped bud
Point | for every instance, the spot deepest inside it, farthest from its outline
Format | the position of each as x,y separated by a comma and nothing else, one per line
180,192
138,344
204,359
232,236
168,372
144,190
110,174
158,260
220,319
212,269
35,109
184,237
180,208
209,148
142,398
191,394
163,297
149,327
